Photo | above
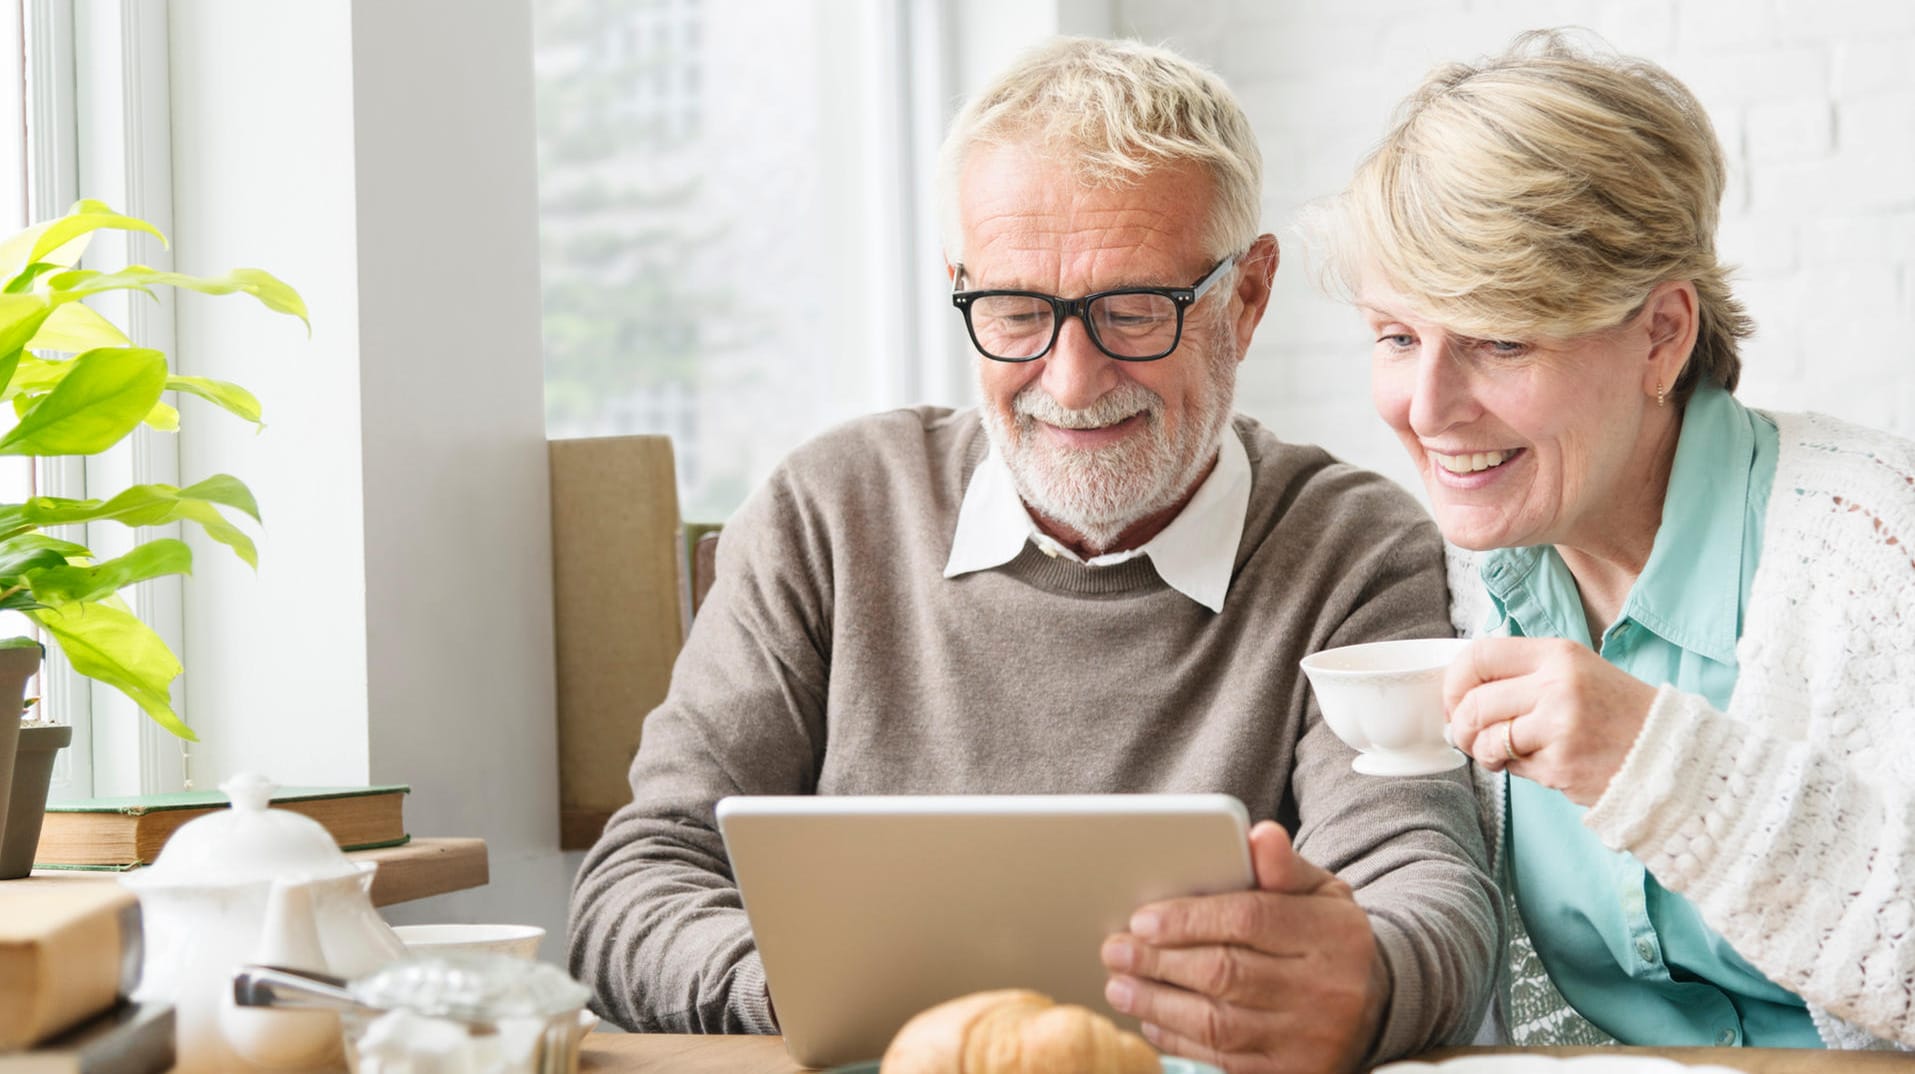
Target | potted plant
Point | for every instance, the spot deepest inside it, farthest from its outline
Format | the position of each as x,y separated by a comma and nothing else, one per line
79,386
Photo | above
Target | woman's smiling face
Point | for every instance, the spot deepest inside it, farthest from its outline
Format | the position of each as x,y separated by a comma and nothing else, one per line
1519,442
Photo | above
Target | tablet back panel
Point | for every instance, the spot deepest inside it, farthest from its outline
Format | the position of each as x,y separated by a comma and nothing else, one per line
867,910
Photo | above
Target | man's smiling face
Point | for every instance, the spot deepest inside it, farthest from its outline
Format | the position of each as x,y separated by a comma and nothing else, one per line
1093,443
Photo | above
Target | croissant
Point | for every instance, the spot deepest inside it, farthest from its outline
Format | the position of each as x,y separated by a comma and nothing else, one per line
1015,1031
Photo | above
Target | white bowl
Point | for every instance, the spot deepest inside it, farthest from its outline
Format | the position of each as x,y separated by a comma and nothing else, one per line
519,940
1385,698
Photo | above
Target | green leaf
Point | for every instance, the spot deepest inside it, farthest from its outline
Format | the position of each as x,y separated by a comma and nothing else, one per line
19,600
164,418
145,505
272,292
9,361
140,505
66,584
75,284
112,646
20,318
229,397
224,489
39,242
23,282
219,529
25,541
28,551
75,327
36,376
103,397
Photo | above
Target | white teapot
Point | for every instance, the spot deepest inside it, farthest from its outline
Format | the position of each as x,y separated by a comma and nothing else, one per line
254,885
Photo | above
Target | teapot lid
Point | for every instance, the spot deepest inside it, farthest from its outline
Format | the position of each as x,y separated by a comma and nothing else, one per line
249,842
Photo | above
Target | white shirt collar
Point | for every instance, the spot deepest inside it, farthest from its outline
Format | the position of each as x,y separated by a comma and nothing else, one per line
1194,555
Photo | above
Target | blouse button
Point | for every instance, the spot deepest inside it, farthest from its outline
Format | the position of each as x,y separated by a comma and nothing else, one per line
1646,950
1726,1037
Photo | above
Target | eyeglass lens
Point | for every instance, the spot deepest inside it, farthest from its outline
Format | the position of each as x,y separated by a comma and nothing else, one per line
1126,325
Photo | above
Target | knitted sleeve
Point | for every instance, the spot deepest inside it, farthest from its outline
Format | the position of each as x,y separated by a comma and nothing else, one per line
657,928
1787,819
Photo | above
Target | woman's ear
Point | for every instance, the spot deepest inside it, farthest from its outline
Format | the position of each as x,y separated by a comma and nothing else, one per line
1673,317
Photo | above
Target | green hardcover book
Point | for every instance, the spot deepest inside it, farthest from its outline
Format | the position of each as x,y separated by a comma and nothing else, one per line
127,832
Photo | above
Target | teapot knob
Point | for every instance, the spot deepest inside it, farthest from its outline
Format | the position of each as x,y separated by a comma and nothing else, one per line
250,792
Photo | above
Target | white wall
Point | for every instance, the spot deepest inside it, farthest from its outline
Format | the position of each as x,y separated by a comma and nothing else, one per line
378,156
1814,101
263,176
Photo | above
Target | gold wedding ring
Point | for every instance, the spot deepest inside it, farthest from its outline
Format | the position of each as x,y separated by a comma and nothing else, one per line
1509,741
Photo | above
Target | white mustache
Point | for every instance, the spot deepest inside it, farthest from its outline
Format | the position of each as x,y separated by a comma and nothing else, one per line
1125,401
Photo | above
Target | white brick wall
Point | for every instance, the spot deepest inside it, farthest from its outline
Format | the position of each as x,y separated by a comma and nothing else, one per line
1814,101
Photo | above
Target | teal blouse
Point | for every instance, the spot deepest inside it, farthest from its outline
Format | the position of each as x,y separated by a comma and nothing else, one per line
1630,956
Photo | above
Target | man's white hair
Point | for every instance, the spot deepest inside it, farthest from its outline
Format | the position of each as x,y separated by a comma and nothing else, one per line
1112,111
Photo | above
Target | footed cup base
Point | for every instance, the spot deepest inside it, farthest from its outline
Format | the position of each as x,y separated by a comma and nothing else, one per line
1417,763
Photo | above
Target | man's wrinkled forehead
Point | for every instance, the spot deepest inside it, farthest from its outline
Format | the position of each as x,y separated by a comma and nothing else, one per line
1021,210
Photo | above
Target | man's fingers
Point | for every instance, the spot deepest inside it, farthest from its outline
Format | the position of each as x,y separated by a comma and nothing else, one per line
1277,864
1281,925
1213,1027
1229,972
1173,1043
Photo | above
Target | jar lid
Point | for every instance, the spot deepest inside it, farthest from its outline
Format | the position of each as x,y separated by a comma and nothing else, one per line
472,986
247,843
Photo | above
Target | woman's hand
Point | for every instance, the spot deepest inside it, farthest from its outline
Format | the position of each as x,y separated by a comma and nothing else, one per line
1546,709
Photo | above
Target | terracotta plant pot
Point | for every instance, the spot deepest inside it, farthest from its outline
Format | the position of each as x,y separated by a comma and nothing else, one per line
26,764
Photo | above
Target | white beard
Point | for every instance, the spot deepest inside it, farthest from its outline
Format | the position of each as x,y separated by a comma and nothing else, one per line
1100,492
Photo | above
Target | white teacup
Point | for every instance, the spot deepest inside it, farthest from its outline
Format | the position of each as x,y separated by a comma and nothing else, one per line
1385,698
519,940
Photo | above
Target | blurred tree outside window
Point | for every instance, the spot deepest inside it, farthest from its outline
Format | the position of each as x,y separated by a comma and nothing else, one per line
718,261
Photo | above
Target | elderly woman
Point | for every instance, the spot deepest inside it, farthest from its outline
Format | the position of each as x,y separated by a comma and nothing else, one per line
1695,720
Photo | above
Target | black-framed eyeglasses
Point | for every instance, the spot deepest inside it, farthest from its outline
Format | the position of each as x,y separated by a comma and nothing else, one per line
1131,324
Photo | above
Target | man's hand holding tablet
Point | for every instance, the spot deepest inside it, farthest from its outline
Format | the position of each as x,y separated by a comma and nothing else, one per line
1289,970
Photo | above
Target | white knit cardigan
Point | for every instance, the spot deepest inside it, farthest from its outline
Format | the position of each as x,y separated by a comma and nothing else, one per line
1787,820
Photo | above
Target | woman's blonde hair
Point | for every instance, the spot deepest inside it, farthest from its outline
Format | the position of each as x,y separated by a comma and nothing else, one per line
1113,111
1543,193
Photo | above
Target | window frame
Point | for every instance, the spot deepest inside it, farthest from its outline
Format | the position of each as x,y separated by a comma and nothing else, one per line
97,123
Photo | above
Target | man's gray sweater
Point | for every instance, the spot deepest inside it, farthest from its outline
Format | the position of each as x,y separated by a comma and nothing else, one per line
832,656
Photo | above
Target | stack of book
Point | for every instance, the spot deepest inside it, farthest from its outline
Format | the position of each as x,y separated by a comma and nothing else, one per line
70,952
124,833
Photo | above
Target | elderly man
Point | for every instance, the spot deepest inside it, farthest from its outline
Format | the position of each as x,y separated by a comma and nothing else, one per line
1097,581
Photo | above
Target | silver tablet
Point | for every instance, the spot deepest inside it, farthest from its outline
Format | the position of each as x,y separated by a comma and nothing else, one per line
867,910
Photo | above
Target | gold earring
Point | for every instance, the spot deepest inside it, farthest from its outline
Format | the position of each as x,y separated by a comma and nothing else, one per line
1661,393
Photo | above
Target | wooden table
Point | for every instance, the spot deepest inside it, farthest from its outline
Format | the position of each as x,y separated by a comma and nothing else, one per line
1749,1060
651,1053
